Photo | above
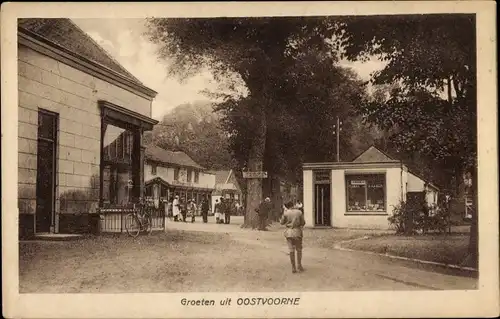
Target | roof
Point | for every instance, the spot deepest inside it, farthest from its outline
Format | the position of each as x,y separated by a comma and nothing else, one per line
374,155
223,180
64,32
158,154
221,177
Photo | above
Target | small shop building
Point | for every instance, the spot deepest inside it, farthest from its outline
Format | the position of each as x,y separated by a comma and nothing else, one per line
173,173
81,119
362,193
226,186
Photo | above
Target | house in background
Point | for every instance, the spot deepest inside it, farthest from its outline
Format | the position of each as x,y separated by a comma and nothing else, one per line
226,186
81,122
170,173
361,193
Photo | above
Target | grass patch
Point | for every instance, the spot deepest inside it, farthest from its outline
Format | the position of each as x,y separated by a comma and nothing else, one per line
448,249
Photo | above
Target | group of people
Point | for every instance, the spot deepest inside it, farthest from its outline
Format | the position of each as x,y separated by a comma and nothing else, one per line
224,208
181,210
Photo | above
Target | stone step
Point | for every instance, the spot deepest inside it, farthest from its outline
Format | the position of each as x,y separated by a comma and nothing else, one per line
57,237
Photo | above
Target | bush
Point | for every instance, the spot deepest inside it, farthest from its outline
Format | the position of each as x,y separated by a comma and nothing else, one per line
415,216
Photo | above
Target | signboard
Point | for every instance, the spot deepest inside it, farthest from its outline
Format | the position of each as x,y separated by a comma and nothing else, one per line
357,182
254,174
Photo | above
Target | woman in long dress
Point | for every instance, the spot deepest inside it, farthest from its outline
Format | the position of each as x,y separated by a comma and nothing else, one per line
176,208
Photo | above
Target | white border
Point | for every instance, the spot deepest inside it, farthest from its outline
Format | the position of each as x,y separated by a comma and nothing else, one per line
481,302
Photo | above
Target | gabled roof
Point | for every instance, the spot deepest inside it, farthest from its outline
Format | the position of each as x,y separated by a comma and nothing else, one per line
221,176
223,180
64,32
178,158
374,155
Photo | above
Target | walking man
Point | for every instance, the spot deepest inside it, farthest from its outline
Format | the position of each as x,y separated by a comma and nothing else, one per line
294,221
204,210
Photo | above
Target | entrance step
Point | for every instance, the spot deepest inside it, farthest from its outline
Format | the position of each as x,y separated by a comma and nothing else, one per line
57,237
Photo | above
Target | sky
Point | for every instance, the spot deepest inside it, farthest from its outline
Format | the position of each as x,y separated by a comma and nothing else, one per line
123,39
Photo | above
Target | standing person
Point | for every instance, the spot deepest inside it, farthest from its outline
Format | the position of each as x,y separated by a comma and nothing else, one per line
183,209
228,211
191,210
217,211
222,210
294,221
176,209
299,206
263,212
204,210
237,207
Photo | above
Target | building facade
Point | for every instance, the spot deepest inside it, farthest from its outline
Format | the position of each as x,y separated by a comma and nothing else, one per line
361,193
226,186
81,122
174,173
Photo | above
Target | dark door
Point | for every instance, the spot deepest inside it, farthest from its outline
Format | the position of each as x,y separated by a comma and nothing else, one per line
45,179
322,205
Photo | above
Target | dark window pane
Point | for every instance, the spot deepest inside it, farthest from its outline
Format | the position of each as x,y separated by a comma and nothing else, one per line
46,125
365,192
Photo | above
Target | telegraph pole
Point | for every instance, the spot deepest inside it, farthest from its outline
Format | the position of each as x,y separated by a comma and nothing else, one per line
337,133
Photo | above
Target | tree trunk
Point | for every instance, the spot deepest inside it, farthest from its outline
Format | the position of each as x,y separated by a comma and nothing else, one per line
255,164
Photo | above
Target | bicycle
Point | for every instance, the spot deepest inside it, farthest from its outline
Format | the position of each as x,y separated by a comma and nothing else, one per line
139,220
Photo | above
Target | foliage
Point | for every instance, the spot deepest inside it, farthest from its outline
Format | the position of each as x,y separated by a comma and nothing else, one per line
433,59
431,105
195,130
293,90
416,216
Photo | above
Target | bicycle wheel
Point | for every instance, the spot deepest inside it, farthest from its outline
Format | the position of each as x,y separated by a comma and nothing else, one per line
147,225
132,225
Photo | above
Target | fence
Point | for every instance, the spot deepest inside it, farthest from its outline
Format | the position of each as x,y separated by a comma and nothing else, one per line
112,220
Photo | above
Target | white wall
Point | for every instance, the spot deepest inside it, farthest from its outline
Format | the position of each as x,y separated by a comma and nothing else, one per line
416,184
308,198
206,180
341,218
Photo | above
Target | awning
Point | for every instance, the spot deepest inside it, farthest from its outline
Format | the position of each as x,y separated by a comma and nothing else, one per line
116,112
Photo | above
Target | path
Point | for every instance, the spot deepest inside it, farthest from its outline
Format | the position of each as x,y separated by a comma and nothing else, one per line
343,269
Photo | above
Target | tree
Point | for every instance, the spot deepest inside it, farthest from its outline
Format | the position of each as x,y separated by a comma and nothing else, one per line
257,50
433,110
194,129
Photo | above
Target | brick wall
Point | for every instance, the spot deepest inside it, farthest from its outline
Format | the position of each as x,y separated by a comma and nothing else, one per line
48,84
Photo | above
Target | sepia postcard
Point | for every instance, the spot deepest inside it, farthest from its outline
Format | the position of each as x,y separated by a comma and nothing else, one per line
249,159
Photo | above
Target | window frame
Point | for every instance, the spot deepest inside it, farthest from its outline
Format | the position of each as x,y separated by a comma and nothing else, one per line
135,165
365,212
154,168
196,177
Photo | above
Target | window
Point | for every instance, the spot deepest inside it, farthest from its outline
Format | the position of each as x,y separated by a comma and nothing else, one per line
153,169
366,193
189,175
176,174
196,177
119,165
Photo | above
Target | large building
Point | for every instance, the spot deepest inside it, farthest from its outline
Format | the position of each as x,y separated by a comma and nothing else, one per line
173,173
81,122
361,193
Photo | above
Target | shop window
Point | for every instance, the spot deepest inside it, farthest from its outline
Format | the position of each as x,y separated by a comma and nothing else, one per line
196,177
153,169
366,193
119,165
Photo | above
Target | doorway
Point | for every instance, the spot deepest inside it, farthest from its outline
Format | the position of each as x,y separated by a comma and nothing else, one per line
322,199
46,172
